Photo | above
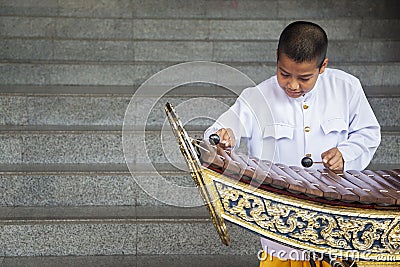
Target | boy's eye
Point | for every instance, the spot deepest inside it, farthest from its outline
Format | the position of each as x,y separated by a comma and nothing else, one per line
285,75
304,79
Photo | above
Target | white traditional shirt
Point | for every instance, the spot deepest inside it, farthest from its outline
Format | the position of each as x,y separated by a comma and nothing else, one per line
335,113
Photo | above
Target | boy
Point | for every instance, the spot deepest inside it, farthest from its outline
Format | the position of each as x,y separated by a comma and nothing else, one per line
307,109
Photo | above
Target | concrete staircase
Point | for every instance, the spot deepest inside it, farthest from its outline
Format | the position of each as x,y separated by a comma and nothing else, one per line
68,70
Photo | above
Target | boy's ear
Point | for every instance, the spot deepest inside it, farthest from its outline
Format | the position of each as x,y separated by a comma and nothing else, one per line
323,66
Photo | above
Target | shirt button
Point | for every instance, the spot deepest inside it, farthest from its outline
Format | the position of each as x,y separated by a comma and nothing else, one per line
305,106
307,129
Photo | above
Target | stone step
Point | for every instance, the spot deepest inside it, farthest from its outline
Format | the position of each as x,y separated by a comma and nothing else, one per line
116,230
267,9
201,110
132,260
106,147
96,185
186,90
118,74
112,29
235,9
150,261
352,51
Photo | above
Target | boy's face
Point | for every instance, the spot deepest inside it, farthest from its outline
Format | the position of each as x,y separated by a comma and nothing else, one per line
297,79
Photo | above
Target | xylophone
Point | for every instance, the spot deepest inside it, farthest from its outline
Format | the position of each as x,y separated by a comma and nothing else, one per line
354,215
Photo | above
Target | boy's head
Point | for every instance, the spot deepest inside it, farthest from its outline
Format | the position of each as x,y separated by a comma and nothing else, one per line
303,41
301,57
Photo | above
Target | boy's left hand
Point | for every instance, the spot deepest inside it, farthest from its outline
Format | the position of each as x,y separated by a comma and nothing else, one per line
333,159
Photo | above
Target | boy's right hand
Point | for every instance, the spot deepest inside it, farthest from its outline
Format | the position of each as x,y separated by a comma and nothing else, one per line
227,138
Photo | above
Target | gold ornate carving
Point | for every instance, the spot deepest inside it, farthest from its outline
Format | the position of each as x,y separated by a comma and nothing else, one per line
394,236
373,236
362,233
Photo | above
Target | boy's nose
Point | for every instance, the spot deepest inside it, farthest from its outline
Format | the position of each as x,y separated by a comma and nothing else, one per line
293,85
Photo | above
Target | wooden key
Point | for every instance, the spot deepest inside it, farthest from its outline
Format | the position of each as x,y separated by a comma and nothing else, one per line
310,189
293,185
356,188
345,192
328,192
372,187
382,185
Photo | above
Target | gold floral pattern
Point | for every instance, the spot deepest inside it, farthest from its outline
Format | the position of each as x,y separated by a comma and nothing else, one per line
302,225
394,236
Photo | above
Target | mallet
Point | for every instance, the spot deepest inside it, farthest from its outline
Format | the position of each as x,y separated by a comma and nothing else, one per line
308,162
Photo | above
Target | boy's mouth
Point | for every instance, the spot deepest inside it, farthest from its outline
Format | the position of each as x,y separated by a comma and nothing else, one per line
293,94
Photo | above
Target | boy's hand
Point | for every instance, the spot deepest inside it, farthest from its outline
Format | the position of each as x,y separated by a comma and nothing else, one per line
227,138
333,159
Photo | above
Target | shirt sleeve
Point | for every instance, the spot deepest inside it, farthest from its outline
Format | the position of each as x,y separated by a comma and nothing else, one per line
364,134
238,117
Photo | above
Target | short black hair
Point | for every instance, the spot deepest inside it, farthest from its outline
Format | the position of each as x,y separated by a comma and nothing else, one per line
303,41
